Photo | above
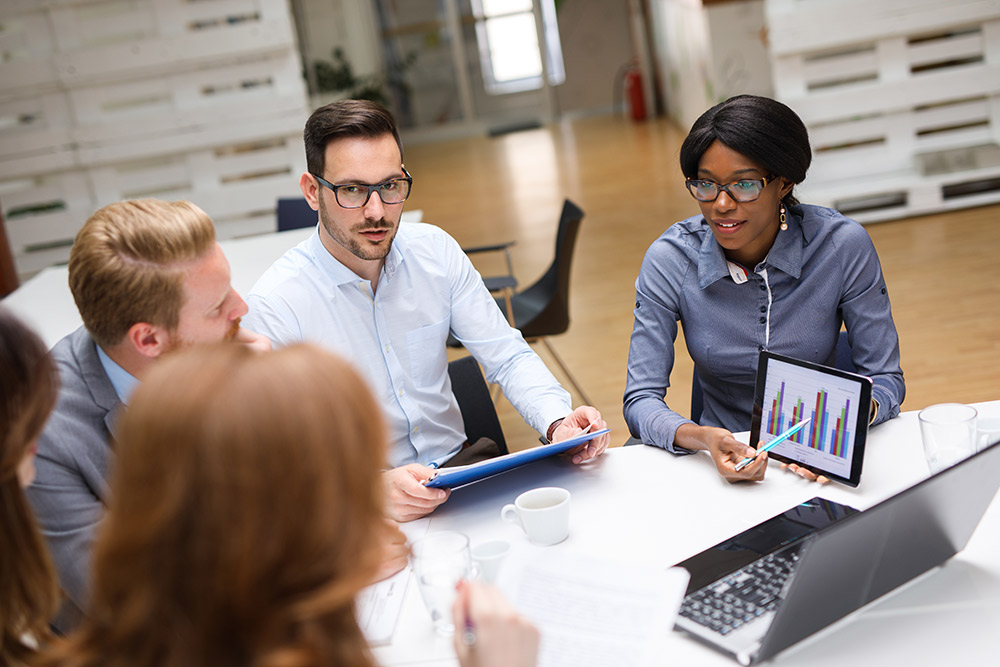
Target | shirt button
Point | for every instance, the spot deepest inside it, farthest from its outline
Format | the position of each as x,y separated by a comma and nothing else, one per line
400,392
763,309
387,348
763,319
762,287
416,429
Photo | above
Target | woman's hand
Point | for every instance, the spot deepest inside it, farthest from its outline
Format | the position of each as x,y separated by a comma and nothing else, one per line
726,451
805,473
488,632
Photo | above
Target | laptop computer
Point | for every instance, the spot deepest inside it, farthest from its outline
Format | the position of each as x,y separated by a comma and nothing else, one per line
803,581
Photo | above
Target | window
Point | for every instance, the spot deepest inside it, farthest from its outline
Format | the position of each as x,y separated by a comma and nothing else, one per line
509,52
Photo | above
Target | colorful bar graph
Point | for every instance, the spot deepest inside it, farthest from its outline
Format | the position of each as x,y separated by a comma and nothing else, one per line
839,435
774,421
821,434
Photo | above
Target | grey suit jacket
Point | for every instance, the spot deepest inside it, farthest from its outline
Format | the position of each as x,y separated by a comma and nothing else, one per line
70,491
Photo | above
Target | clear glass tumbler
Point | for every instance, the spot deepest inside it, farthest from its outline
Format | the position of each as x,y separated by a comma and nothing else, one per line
948,431
440,560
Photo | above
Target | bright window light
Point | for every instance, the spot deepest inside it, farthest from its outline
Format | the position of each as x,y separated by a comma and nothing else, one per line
501,7
513,43
509,53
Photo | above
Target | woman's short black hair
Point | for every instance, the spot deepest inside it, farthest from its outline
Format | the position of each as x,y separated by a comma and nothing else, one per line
764,130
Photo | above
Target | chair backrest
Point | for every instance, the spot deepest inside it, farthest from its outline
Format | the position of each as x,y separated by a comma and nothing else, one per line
843,361
478,411
551,291
295,213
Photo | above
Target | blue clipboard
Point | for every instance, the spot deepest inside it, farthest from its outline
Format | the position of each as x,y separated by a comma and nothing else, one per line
449,478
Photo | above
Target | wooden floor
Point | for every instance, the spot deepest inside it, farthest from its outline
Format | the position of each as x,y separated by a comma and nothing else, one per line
943,271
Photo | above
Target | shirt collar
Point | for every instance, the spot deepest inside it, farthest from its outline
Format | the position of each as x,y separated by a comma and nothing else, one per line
340,274
123,381
785,254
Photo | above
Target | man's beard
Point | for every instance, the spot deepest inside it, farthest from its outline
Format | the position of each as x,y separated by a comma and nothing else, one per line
352,245
234,329
177,343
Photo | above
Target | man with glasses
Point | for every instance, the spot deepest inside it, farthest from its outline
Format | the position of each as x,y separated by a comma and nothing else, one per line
386,295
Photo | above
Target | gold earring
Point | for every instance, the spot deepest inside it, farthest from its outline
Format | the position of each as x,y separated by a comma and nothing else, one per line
781,218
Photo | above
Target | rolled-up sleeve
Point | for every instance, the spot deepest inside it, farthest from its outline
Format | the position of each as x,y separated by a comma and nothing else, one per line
871,331
651,350
479,324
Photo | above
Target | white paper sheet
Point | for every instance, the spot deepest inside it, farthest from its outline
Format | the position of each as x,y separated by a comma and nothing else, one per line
378,607
595,612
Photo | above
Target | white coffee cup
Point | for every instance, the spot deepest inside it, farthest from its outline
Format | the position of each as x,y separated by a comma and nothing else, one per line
542,513
488,556
948,431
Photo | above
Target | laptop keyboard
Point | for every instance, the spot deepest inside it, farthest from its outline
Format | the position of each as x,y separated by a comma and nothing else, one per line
742,596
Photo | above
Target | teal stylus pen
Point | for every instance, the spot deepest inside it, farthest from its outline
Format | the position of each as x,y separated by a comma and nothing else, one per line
771,445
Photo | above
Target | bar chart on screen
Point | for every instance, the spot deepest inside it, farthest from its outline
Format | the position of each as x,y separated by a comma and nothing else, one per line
793,393
827,432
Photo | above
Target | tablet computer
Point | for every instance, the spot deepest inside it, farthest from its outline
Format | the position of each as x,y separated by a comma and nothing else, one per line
837,402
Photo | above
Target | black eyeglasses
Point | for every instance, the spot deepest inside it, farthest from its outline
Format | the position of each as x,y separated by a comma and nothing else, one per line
743,191
356,195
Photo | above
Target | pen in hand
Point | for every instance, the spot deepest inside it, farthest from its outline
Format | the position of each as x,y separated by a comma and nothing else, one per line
771,445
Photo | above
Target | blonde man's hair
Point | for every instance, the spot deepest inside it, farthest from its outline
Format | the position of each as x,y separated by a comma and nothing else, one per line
128,261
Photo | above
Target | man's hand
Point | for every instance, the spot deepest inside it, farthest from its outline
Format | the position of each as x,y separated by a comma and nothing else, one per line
252,340
408,498
394,550
726,451
574,423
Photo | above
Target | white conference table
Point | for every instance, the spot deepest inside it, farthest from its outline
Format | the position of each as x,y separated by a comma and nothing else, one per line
644,505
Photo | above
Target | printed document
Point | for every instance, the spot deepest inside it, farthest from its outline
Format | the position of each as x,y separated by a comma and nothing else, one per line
594,612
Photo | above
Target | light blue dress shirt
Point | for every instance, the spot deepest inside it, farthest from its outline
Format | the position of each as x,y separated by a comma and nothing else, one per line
821,272
123,381
397,336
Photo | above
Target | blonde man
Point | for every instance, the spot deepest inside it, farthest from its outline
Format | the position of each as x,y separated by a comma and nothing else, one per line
148,277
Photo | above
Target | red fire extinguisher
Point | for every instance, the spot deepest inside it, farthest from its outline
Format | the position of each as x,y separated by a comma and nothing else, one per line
633,94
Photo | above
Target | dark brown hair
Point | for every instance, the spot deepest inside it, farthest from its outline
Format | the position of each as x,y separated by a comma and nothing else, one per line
245,517
28,590
343,119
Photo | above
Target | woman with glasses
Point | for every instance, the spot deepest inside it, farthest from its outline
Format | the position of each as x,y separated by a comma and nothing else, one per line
754,270
247,514
29,594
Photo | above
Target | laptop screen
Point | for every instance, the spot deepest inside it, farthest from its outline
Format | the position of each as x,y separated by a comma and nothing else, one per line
764,538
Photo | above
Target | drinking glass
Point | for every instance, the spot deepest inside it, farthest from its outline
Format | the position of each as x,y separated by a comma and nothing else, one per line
440,560
948,431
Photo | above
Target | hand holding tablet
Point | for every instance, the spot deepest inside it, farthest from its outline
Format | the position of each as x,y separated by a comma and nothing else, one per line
835,405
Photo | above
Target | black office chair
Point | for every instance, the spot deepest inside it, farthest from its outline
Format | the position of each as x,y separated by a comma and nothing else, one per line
542,309
295,213
842,361
478,411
